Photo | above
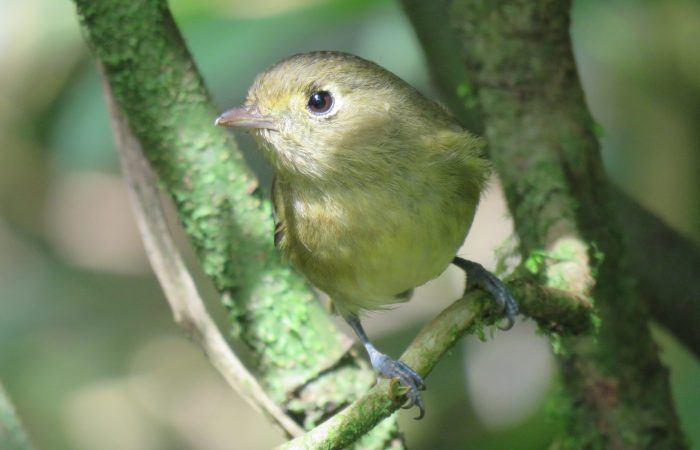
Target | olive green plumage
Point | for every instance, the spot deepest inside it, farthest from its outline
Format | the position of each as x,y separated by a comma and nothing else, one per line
375,195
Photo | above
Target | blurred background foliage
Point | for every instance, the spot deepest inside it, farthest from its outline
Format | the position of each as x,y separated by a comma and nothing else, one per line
88,349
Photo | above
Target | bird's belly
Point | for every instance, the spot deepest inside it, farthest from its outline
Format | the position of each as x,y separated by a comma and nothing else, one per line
365,257
394,264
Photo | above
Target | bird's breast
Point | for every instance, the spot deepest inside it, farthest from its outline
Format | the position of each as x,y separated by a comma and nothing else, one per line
365,246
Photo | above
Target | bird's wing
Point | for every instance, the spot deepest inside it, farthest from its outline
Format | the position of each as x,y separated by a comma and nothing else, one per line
278,212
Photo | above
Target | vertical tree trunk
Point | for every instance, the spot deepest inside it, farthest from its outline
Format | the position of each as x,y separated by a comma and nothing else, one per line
522,82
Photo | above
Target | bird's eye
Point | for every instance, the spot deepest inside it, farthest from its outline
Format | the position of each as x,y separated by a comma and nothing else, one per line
320,102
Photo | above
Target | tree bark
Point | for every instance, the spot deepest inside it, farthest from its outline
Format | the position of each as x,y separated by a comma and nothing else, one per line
664,262
522,80
555,312
519,76
666,267
301,358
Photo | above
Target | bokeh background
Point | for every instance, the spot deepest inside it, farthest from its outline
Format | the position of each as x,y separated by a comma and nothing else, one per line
88,349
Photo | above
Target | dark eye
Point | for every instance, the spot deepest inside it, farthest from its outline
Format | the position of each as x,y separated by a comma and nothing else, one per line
320,102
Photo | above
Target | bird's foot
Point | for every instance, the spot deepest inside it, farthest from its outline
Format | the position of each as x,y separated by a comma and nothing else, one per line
407,378
478,277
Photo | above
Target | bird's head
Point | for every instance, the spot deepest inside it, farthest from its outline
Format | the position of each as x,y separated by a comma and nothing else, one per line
324,114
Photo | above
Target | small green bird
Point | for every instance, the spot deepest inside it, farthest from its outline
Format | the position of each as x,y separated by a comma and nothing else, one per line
375,186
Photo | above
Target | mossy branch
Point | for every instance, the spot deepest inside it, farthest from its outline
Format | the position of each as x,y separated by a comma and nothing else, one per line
523,84
299,354
555,310
180,290
664,262
156,84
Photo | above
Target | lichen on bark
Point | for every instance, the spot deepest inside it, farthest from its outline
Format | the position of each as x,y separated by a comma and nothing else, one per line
519,61
155,82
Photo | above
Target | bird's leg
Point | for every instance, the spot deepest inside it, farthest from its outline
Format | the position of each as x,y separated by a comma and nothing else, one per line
478,277
391,368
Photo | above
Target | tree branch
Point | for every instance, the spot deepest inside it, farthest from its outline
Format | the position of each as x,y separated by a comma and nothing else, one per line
555,309
177,283
522,80
666,267
441,49
156,85
299,354
664,262
12,434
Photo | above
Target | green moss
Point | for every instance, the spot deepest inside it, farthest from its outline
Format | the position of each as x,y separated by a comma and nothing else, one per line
597,129
597,258
385,432
467,94
535,262
520,64
272,310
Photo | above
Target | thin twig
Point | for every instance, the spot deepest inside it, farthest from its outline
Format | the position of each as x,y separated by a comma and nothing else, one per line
177,283
571,314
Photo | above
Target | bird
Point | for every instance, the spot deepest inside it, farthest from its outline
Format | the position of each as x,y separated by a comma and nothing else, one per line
375,187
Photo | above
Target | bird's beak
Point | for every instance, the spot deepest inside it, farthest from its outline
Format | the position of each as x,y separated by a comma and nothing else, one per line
245,117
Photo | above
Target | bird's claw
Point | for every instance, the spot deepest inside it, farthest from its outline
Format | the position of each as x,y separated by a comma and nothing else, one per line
405,376
478,277
504,299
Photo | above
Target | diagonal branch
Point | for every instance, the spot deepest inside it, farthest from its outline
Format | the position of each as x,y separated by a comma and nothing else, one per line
299,355
553,309
666,266
177,283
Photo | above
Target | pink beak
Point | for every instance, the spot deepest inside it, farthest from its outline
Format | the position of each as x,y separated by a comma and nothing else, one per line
245,117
